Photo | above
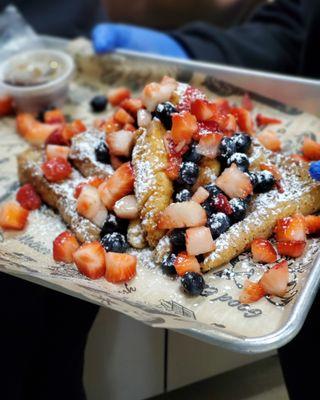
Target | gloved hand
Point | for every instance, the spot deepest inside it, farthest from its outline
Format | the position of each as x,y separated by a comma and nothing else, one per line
314,170
110,36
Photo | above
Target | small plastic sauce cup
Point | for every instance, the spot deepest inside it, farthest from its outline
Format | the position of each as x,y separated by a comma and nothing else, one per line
37,79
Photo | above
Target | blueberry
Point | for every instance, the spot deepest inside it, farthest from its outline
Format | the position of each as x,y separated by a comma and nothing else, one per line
102,153
167,265
208,207
218,224
241,160
178,240
242,142
192,154
253,178
213,189
182,195
226,149
264,182
189,172
193,283
115,242
239,209
163,112
98,103
314,170
114,224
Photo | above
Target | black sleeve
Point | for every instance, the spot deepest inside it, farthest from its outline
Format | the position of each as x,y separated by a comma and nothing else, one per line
271,40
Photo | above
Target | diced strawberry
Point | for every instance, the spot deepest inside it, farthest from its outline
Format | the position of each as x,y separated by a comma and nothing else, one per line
244,120
263,251
291,229
120,267
32,130
181,215
246,102
188,97
116,96
205,128
78,126
173,166
143,118
111,125
269,140
311,149
57,138
208,145
73,129
129,127
28,198
115,161
94,181
228,124
271,168
252,292
64,246
132,106
53,151
262,120
312,223
223,106
90,206
123,117
90,260
184,126
186,263
127,207
120,143
78,189
221,204
201,110
200,195
6,106
155,93
118,185
234,182
291,248
54,117
199,241
275,280
57,169
13,216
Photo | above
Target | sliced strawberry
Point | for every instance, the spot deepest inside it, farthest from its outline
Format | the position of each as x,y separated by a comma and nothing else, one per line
123,117
28,198
223,106
201,110
269,140
263,251
311,149
13,216
200,195
221,204
205,128
78,126
234,182
184,126
57,169
129,127
229,125
115,161
244,120
291,229
275,280
199,241
271,168
181,215
155,93
73,129
262,120
173,167
246,102
120,143
252,292
143,118
132,106
90,260
312,223
209,145
34,131
118,185
6,106
57,138
90,206
54,117
53,151
111,125
64,246
291,248
127,207
78,189
95,181
120,267
186,263
116,96
188,97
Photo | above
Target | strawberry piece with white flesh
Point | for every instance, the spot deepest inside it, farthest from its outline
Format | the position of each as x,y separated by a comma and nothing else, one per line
127,207
312,224
156,93
199,241
186,263
252,292
244,120
208,145
234,182
291,229
269,140
275,280
123,117
54,117
34,131
143,118
13,216
64,246
184,126
200,195
116,96
180,215
6,105
120,143
311,149
263,251
56,169
120,267
28,198
292,248
90,260
202,110
132,106
90,206
117,186
263,120
53,151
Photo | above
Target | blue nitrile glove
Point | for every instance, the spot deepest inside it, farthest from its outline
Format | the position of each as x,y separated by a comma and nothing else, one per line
110,36
314,170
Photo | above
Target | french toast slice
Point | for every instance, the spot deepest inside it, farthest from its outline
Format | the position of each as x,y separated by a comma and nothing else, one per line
59,196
